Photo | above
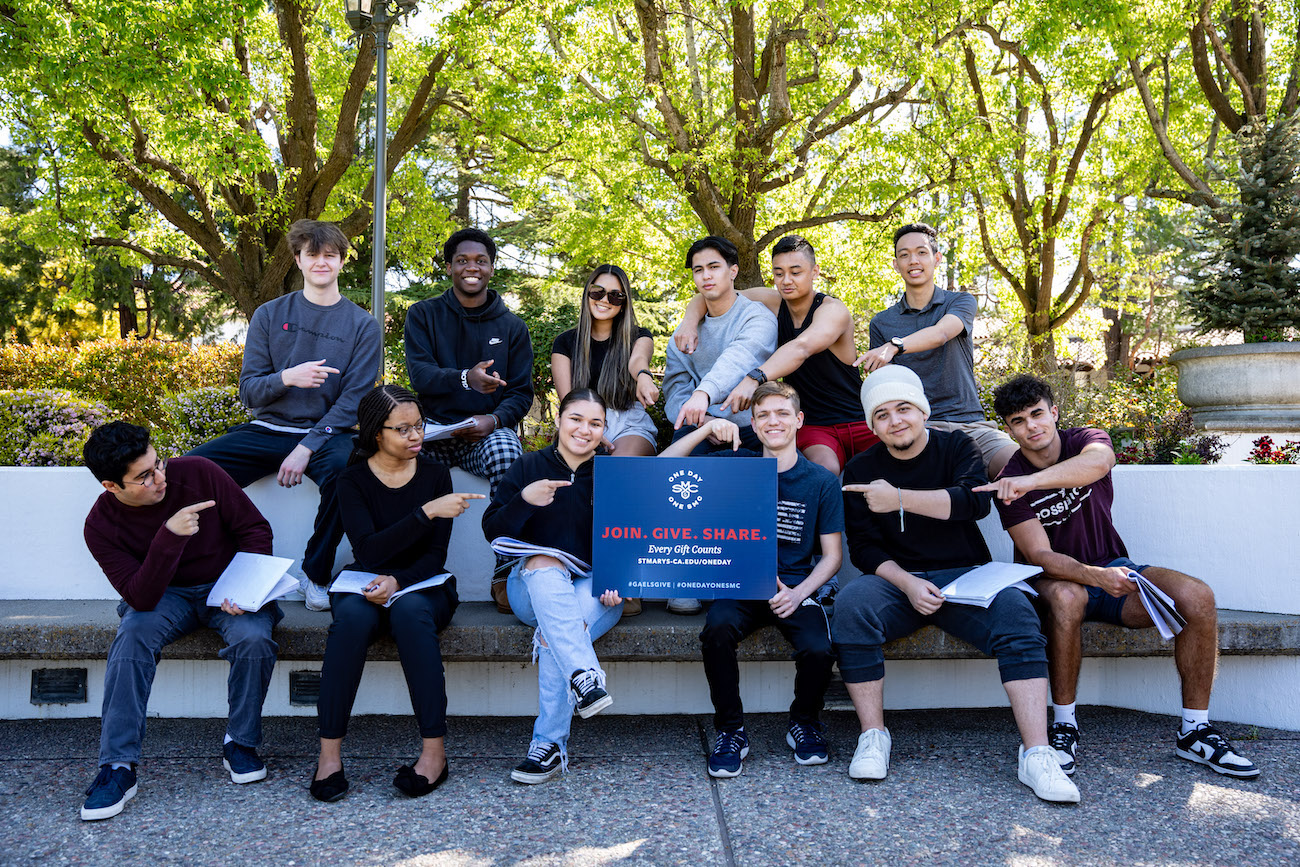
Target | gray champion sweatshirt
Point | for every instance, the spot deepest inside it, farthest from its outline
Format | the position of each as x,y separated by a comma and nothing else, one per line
731,345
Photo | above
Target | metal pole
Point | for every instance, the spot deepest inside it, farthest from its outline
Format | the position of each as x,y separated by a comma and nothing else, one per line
379,260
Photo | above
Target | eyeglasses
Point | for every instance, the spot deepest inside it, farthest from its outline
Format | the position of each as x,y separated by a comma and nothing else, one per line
617,297
159,466
405,430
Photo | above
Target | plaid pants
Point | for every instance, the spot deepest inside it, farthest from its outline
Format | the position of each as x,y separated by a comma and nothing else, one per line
488,458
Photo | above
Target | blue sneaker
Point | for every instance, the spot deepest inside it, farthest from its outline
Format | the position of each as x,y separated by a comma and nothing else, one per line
808,742
728,754
243,763
109,793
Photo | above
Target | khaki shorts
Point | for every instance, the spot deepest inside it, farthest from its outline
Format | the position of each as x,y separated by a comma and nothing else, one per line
989,438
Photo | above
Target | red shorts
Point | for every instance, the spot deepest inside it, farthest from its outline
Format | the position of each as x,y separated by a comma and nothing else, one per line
846,440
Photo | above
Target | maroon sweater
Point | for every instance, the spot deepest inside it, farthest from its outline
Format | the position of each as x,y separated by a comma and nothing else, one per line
142,558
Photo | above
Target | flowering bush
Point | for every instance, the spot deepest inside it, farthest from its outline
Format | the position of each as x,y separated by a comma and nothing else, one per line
131,377
1264,452
46,427
193,417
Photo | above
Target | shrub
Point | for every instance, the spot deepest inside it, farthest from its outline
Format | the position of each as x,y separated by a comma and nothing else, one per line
193,417
1265,453
46,427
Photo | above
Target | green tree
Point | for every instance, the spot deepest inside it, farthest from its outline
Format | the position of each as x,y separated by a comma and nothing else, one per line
213,125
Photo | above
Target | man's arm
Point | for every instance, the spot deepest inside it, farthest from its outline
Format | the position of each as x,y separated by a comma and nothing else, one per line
959,319
687,335
140,582
721,428
788,599
1031,541
829,323
426,374
355,382
1091,464
260,384
679,381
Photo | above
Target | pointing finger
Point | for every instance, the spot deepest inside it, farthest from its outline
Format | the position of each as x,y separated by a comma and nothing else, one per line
199,507
856,489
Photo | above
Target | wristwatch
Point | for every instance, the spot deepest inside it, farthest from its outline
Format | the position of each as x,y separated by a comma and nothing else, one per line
898,344
757,375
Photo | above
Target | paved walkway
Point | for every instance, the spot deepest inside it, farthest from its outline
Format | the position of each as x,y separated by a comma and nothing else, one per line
638,793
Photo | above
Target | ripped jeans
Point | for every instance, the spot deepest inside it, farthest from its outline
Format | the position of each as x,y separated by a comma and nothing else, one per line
558,604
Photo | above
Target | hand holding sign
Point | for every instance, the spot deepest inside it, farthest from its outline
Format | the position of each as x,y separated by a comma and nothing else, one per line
542,491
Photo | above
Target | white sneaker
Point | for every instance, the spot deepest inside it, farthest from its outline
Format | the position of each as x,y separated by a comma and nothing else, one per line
316,597
1041,771
871,757
685,606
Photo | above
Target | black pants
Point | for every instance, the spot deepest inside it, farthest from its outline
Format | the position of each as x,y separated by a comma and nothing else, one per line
807,629
414,622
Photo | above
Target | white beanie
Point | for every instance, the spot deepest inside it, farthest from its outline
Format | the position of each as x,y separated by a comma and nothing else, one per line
889,383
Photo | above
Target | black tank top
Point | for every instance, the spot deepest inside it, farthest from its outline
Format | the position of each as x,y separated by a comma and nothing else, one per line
828,388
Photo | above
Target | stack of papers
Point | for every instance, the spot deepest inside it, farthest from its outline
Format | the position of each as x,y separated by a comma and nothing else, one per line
252,580
981,584
508,547
1160,608
357,582
434,431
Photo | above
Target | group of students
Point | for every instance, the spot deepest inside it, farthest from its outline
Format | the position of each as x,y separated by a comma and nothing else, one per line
772,372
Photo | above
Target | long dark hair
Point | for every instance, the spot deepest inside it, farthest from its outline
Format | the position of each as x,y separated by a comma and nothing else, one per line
372,411
617,387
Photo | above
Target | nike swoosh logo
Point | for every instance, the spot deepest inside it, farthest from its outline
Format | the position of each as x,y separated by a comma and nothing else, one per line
494,341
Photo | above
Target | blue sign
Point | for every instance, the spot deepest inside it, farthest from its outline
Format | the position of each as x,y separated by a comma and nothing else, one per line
698,528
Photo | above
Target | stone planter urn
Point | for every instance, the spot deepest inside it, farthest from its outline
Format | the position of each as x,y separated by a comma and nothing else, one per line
1247,387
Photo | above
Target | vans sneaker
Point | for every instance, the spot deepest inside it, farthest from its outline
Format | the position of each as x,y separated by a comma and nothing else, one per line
1064,738
1040,771
729,751
243,763
808,743
1204,745
871,756
109,793
592,697
684,606
542,763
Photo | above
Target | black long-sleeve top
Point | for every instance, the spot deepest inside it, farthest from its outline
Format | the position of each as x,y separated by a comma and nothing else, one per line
389,532
564,524
951,462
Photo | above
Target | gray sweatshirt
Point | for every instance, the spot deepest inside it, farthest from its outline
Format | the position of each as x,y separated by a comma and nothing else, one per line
290,330
731,345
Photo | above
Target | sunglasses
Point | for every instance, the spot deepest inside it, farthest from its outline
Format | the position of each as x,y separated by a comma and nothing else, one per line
617,297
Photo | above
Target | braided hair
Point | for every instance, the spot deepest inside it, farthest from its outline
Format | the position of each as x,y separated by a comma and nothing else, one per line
372,411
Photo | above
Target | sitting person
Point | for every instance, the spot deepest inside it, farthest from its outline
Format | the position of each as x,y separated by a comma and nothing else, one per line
810,515
163,532
397,505
910,509
546,499
815,353
308,359
1055,498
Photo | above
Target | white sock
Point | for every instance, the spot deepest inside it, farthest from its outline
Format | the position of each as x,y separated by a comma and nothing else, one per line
1193,718
227,740
1064,713
123,765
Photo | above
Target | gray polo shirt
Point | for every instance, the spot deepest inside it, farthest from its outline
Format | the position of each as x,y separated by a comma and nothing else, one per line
948,372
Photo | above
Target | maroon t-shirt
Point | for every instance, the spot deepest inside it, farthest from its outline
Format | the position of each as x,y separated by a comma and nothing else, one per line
1077,520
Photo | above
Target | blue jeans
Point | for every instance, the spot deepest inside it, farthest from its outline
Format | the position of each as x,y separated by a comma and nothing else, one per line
870,611
249,452
558,605
133,661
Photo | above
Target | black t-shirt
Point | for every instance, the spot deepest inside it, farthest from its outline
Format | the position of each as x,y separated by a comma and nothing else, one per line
567,345
389,532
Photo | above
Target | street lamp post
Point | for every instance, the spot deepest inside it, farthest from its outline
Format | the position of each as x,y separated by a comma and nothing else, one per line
378,17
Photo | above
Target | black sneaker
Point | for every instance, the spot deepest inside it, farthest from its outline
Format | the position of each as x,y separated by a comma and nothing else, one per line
243,763
592,698
1064,738
808,743
541,764
109,793
728,754
1204,745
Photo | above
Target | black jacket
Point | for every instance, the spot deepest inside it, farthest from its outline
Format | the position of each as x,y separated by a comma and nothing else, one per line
564,524
443,338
